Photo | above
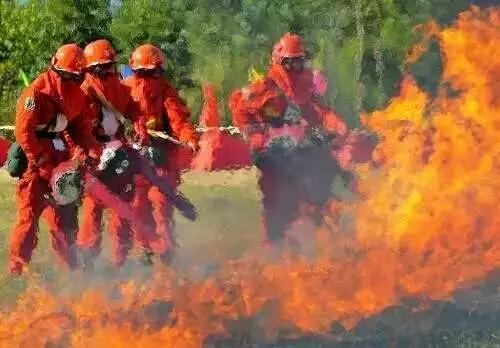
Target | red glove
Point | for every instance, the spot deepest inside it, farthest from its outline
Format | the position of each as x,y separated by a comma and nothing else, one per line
78,154
141,131
95,153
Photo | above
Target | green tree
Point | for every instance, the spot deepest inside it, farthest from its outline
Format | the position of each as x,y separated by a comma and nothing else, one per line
159,22
80,21
359,44
26,42
222,49
31,31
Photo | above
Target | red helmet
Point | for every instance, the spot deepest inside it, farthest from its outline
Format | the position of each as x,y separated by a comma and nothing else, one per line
147,57
289,46
99,52
68,58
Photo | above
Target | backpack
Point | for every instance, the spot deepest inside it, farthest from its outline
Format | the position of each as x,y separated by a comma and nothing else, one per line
17,162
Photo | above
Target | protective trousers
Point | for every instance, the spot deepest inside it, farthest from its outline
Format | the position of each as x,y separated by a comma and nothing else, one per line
62,222
302,179
90,233
155,206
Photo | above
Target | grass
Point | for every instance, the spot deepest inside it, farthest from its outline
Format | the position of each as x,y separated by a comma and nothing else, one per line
229,224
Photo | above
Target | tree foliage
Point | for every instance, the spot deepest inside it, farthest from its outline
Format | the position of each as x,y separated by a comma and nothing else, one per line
31,31
159,22
26,42
359,44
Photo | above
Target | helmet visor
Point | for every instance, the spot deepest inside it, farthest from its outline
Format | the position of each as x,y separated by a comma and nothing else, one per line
69,76
101,70
294,63
156,73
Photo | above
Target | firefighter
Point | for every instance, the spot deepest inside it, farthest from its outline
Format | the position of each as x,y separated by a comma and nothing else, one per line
288,130
109,102
51,105
159,108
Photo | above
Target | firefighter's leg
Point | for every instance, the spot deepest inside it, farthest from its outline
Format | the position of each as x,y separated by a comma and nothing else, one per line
89,236
63,227
163,211
142,205
278,203
30,205
121,236
163,217
321,170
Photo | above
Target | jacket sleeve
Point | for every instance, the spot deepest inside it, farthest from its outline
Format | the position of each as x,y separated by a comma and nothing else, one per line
140,130
178,115
128,107
246,118
72,147
27,118
133,113
331,120
81,131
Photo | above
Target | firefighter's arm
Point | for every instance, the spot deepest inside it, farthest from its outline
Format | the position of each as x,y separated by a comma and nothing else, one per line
331,120
81,131
245,118
25,127
73,149
133,113
178,115
131,110
130,106
141,129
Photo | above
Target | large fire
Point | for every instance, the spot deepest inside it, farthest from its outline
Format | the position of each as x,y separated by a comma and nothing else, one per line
427,225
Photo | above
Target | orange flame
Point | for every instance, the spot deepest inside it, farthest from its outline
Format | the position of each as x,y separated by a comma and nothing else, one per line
427,31
427,226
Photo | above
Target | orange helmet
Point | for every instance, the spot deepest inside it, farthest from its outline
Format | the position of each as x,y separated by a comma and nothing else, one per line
99,52
147,57
289,46
68,58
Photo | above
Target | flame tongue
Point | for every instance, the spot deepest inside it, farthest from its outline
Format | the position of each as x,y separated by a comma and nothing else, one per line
428,226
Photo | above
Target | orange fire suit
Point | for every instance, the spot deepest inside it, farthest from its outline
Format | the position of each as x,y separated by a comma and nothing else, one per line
90,233
159,107
305,176
36,115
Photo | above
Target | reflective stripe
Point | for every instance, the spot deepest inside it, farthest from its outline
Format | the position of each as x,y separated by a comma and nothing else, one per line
59,126
61,123
109,122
